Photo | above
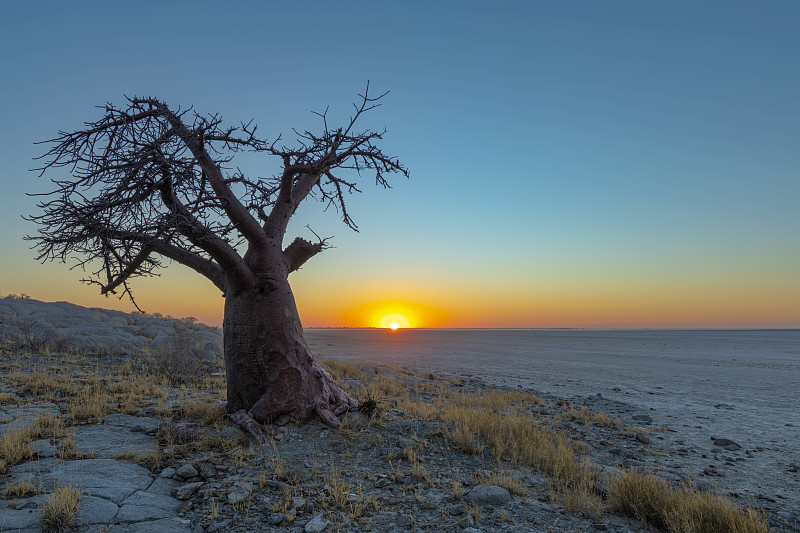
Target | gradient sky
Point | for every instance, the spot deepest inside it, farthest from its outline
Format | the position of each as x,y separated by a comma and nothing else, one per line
573,164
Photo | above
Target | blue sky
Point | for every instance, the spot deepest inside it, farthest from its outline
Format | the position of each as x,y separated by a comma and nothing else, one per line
572,163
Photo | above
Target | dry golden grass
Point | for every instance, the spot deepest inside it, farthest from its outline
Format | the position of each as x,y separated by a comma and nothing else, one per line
337,487
683,509
208,413
343,369
42,384
15,442
60,508
456,489
498,423
15,445
7,398
91,402
509,480
20,489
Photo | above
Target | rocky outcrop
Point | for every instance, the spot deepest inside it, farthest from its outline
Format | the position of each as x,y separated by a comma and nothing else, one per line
65,327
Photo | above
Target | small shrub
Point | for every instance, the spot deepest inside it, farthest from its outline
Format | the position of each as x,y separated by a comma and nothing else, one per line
176,360
27,335
60,508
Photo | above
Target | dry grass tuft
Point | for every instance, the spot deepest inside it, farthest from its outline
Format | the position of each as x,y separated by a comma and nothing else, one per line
7,398
60,508
15,445
343,369
208,413
15,442
20,489
91,402
509,480
660,503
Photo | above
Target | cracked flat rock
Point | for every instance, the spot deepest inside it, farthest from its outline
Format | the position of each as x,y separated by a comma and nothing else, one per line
23,520
112,480
164,525
144,424
94,510
141,506
107,441
27,415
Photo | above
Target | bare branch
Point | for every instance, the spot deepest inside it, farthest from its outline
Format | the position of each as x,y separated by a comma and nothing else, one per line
147,181
302,250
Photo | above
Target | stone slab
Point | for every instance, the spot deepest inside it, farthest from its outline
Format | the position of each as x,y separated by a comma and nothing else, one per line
144,424
20,520
94,510
107,441
141,506
105,478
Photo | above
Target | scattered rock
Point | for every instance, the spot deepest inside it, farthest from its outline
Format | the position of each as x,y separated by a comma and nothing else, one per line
238,496
317,524
299,503
647,419
489,495
727,444
275,519
231,433
404,520
642,437
220,526
184,492
207,470
455,509
186,471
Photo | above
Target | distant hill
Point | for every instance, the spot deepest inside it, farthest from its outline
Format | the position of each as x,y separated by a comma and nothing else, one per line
67,327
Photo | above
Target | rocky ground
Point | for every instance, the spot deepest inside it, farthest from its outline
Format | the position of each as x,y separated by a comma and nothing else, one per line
150,454
143,471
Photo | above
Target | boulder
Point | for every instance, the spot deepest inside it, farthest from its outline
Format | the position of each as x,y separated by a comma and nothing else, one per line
489,495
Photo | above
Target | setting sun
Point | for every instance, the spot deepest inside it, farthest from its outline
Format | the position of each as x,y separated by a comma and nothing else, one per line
382,314
394,321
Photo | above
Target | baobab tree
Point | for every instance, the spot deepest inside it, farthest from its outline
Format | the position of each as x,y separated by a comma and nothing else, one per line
148,182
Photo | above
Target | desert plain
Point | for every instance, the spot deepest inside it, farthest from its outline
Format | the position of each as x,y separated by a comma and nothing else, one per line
90,400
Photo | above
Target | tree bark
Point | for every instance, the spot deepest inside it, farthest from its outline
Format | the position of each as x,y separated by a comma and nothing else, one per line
270,369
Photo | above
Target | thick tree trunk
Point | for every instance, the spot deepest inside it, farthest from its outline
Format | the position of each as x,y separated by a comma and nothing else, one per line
270,369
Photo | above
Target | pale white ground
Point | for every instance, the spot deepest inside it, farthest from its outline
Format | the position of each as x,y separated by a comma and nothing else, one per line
740,385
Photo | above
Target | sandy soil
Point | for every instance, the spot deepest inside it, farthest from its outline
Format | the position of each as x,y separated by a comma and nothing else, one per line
703,385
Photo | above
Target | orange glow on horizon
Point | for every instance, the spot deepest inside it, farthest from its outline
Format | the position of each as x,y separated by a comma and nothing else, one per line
394,321
394,315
